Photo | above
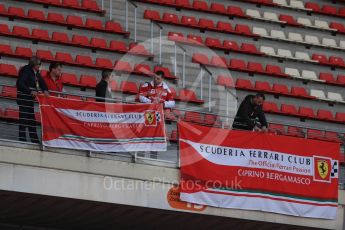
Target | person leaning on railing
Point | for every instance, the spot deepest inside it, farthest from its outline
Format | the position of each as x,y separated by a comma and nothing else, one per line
103,90
28,83
156,92
53,78
250,115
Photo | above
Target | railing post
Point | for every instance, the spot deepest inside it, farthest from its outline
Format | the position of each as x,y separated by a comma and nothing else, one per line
151,28
227,107
160,46
110,10
184,69
201,76
135,24
102,4
126,15
175,60
209,92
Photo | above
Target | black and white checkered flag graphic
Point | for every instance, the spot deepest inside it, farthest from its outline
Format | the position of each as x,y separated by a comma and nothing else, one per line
158,116
335,168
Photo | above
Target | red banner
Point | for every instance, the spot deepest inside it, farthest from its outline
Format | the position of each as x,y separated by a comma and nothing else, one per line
258,171
106,127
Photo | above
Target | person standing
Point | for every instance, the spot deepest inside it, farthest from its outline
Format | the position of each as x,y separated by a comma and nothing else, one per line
103,90
29,81
250,115
53,77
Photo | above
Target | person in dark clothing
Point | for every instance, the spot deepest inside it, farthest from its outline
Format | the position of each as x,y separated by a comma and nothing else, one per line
29,81
103,87
250,115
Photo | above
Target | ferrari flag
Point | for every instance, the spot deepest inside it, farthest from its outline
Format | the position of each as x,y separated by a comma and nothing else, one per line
258,171
105,127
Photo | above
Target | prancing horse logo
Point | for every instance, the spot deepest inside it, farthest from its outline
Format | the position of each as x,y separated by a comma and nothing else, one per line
323,168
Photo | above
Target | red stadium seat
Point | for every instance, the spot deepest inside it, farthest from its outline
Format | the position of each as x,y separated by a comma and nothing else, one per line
152,15
16,11
340,117
200,58
306,112
80,40
23,52
36,14
249,48
74,20
225,81
218,7
263,86
94,24
237,64
320,58
104,63
336,61
196,39
289,109
295,131
189,21
193,117
113,27
21,31
299,91
230,45
277,129
243,29
8,70
189,96
288,19
70,79
84,60
9,92
337,26
325,115
88,81
173,136
98,42
244,84
129,87
332,136
236,11
315,134
313,6
174,36
341,79
327,9
281,89
6,49
218,61
123,66
165,70
113,85
273,70
90,5
206,23
2,9
60,37
118,46
138,49
270,107
341,11
40,34
213,42
200,5
56,18
183,3
143,69
70,3
170,18
224,27
64,57
45,55
11,113
211,119
255,67
328,77
4,29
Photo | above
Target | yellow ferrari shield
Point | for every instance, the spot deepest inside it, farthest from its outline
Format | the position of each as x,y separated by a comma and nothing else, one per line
322,168
149,117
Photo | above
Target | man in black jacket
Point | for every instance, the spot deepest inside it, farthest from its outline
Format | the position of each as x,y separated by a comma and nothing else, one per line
250,115
29,81
102,88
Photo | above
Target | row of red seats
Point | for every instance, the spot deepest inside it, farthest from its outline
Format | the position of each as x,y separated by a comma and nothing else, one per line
246,48
239,65
330,79
304,112
77,40
194,117
11,71
59,19
263,86
325,9
80,60
202,23
215,43
84,5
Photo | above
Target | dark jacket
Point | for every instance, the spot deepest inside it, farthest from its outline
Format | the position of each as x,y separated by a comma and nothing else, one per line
247,113
101,90
27,80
